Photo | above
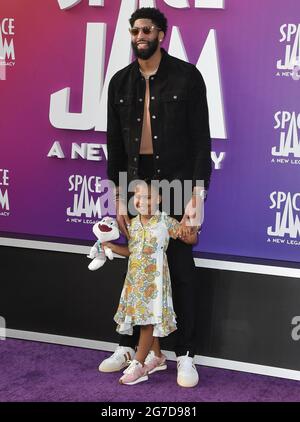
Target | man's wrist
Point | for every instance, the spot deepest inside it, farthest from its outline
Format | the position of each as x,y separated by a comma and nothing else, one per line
202,193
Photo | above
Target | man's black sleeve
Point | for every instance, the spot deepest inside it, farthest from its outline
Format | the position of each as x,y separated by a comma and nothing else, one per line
116,155
199,129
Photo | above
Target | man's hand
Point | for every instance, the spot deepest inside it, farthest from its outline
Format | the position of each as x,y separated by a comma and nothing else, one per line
122,217
193,214
186,231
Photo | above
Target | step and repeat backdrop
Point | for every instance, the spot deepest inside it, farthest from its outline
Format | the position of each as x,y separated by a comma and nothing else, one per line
56,60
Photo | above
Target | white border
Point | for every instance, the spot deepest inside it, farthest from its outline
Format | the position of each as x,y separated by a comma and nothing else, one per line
200,360
44,246
200,262
248,268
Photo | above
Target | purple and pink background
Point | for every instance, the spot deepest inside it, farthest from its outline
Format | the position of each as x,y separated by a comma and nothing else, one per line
49,47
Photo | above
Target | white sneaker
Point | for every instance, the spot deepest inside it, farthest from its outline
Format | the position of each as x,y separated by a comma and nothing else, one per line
187,375
118,360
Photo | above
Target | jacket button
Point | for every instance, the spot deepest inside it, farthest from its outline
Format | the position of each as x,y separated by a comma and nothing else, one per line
155,137
153,117
136,139
121,100
135,159
157,157
152,98
140,100
138,119
175,97
158,170
152,77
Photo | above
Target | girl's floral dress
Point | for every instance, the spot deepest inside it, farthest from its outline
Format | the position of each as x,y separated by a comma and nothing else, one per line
146,297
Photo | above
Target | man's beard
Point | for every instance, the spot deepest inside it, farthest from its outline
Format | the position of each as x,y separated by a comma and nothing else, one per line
145,53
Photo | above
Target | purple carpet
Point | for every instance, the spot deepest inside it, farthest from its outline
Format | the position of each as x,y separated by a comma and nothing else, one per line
41,372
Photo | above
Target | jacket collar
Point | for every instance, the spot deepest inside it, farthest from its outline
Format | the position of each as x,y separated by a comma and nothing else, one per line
162,69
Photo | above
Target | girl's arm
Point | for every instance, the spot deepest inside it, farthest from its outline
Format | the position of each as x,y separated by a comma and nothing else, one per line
122,250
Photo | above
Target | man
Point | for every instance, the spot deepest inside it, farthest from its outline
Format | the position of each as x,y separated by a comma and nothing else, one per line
158,127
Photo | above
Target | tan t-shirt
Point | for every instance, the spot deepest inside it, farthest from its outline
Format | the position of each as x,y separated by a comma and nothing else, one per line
146,146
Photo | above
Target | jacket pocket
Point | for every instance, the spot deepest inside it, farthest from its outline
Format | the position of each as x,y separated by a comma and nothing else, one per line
173,97
174,109
124,104
123,100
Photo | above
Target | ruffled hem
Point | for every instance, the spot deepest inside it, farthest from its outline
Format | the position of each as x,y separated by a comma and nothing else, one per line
159,328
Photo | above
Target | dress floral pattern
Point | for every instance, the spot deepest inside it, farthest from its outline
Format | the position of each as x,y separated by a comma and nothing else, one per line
146,297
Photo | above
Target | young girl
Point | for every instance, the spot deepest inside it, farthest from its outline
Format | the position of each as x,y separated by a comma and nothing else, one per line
146,298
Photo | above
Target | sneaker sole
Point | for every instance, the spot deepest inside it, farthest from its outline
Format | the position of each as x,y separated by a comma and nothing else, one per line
188,385
158,368
145,378
112,370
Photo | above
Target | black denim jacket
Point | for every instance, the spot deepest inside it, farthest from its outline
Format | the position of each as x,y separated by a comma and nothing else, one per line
179,122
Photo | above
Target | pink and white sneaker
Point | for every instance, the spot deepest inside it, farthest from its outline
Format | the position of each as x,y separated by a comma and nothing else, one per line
134,374
154,363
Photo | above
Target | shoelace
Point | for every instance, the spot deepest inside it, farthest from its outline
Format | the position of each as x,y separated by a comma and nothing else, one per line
185,361
149,357
119,353
131,367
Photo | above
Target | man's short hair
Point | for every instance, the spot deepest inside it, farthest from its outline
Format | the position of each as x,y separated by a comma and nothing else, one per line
152,13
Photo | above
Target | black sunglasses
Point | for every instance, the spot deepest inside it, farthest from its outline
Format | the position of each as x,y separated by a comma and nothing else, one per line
145,29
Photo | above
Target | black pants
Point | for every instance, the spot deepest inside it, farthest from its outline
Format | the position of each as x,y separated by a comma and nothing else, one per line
182,273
